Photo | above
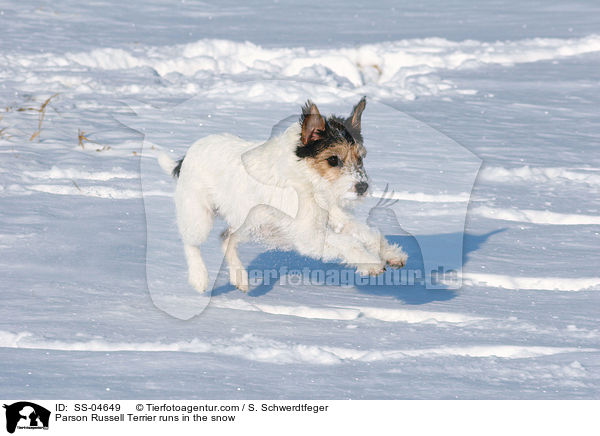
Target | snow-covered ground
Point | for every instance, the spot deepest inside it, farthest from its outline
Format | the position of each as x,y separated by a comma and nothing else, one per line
86,215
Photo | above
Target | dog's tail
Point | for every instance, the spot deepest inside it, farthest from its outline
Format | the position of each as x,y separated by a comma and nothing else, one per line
169,165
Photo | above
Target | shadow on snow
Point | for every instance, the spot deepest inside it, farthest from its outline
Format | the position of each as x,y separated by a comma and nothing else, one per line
393,284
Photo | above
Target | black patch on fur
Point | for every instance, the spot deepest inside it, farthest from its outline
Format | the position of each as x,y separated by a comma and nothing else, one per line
336,130
351,133
225,233
177,168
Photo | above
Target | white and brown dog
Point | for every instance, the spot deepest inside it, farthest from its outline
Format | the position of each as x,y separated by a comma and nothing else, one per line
289,193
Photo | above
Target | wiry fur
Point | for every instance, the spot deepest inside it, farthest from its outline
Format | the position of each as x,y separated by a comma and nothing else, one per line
284,193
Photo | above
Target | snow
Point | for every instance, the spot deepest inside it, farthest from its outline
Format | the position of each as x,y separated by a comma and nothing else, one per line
540,175
275,352
537,283
394,69
472,112
536,216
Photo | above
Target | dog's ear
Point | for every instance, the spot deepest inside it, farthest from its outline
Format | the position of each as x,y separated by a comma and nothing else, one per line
312,122
357,111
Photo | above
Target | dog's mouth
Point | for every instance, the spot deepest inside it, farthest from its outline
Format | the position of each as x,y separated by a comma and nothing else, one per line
358,191
354,196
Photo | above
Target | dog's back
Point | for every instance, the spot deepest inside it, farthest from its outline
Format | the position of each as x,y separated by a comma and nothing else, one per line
224,169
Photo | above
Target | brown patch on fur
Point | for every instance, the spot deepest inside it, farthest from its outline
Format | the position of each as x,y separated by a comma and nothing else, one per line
357,112
350,154
313,123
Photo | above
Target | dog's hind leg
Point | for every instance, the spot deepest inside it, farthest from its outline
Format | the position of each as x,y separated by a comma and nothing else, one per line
194,219
238,276
197,272
264,222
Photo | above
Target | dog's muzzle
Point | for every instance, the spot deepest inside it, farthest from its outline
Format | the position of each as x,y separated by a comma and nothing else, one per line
361,187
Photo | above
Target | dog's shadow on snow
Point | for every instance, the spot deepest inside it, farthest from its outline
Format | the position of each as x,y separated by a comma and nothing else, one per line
299,271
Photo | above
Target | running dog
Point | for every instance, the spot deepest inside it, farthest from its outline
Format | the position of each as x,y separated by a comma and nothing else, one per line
291,192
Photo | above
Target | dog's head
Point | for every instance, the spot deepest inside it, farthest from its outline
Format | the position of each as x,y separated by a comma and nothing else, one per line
333,147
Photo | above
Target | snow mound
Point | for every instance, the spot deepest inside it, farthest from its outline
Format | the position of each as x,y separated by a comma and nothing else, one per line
536,216
538,175
405,68
259,349
348,313
532,283
422,197
73,173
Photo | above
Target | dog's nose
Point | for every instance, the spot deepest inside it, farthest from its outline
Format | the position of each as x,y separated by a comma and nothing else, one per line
361,187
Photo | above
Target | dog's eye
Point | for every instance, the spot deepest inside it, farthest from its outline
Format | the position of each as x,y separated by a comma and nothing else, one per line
334,161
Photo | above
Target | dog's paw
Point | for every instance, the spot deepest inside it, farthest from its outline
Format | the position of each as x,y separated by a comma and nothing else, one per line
394,256
239,279
243,287
398,262
370,269
198,281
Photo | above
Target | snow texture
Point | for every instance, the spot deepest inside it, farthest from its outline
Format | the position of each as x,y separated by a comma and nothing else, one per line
86,215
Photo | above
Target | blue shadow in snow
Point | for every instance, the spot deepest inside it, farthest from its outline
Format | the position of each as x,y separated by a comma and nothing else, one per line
391,283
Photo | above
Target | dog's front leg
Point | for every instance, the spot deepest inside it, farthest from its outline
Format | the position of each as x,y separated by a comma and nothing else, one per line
373,240
352,252
393,253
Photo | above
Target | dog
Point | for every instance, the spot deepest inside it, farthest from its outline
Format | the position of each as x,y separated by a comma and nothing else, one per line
291,192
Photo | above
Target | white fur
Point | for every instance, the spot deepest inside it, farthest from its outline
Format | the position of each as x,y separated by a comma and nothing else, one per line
265,192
